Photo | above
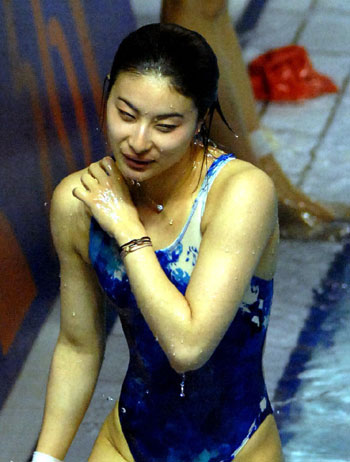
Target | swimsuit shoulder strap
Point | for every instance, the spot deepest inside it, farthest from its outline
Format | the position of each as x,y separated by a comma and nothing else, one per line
212,173
192,225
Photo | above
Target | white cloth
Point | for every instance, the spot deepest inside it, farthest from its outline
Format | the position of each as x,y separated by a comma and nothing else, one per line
41,457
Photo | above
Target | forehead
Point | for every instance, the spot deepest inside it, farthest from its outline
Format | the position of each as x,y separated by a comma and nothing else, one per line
151,93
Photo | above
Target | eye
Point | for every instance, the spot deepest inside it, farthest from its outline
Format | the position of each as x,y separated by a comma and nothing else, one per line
126,115
165,128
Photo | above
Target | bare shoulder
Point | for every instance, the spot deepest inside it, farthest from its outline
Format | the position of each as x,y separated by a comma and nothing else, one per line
69,218
239,172
240,183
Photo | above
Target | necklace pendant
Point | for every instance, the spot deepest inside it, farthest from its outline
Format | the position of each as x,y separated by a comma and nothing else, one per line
159,208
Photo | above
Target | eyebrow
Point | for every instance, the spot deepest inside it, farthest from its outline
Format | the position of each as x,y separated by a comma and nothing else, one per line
158,117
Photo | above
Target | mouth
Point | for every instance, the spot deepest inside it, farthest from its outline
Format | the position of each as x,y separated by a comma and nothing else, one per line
136,163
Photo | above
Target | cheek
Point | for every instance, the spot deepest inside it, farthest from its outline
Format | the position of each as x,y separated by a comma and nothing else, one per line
115,131
115,128
178,140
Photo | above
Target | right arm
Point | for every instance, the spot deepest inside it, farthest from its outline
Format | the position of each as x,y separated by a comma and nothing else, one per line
80,346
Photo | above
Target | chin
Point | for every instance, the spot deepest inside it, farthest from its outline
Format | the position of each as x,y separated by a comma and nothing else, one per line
133,175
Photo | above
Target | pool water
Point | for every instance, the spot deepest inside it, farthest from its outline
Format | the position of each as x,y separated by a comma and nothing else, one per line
312,400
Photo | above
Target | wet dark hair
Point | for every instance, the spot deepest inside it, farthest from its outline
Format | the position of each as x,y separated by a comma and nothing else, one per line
182,55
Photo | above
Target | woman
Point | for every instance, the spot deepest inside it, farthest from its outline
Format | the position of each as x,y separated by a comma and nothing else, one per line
187,254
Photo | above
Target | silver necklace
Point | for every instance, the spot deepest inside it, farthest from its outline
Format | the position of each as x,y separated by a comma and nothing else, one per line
156,206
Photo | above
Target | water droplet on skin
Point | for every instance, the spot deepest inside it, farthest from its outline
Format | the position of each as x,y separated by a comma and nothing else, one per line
73,314
156,339
253,252
174,354
182,341
171,222
182,386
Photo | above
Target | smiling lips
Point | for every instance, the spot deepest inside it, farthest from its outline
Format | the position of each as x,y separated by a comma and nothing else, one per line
136,163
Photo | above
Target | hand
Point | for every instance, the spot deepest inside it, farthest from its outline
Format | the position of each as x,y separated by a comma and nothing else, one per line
107,196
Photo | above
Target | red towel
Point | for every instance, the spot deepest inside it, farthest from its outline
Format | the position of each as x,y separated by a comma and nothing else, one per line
286,74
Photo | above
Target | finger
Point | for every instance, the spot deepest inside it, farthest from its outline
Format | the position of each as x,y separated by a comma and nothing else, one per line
88,181
108,165
80,193
92,171
96,171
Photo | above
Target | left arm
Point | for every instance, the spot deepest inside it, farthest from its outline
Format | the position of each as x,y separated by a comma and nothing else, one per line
187,327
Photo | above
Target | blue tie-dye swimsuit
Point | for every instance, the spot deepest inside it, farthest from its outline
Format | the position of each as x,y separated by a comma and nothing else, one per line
206,415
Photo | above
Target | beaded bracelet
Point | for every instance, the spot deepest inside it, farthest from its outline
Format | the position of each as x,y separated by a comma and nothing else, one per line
134,244
41,457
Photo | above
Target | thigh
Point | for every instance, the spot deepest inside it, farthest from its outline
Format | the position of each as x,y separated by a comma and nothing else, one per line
110,445
205,10
103,451
264,445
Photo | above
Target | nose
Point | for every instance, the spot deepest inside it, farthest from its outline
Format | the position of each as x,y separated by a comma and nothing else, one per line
140,138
